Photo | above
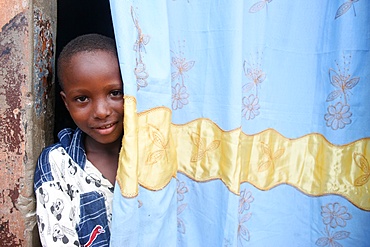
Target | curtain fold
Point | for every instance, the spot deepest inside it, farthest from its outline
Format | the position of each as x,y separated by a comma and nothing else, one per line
245,123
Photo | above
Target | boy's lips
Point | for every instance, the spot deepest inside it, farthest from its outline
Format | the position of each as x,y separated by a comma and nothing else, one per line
106,128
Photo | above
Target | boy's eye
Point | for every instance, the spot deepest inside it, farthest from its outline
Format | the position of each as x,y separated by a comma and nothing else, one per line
116,93
81,99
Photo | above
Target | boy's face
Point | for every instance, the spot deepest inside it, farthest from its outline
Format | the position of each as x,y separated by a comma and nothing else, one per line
92,93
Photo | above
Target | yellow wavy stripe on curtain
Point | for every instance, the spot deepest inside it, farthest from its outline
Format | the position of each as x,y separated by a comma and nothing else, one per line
154,149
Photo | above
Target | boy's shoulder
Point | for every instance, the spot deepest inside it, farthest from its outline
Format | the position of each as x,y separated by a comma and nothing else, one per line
69,145
69,139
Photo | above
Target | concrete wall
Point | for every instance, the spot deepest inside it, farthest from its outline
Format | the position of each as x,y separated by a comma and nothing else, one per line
27,44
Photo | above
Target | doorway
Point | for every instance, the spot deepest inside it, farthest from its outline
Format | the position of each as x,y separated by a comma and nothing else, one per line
75,18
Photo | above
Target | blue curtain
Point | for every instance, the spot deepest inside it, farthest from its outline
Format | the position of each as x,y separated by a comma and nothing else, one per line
246,123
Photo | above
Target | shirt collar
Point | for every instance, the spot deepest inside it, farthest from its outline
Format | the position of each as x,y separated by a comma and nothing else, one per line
72,141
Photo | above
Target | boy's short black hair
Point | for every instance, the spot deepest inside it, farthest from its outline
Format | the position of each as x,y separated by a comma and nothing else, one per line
84,43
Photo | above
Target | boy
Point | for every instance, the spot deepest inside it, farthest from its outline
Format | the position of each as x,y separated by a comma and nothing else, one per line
74,178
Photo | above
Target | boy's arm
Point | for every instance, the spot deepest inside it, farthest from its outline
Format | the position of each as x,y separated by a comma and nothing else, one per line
56,216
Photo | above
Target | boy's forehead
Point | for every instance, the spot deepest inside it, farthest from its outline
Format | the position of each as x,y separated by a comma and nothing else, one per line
90,55
93,53
85,59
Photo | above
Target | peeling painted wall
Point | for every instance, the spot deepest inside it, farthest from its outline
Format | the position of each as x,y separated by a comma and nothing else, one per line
26,110
43,60
13,75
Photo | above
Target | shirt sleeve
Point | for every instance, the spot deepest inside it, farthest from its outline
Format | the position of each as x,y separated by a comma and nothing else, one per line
56,215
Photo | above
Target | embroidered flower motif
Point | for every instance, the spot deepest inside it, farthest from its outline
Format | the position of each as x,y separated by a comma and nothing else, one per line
202,147
159,140
255,76
270,157
142,39
141,75
345,7
364,165
250,107
244,204
245,199
243,232
180,68
179,96
338,116
331,239
181,190
139,47
259,5
335,215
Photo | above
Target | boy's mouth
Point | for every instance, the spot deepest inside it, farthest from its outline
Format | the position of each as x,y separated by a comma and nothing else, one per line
106,129
106,126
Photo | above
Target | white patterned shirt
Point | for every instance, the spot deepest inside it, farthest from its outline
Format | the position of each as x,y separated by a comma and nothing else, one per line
74,200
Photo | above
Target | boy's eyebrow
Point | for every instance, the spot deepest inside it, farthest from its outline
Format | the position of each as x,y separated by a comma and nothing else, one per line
110,86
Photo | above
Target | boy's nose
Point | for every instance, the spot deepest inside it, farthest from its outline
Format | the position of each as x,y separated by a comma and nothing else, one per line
102,109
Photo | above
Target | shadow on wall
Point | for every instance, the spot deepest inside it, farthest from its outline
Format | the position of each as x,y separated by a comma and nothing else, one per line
76,18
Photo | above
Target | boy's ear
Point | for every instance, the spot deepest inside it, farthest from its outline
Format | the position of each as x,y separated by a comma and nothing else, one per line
63,95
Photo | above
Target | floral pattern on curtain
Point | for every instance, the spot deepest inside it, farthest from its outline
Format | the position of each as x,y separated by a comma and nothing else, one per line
246,123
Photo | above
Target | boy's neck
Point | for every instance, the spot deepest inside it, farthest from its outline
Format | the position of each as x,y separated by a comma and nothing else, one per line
103,156
91,146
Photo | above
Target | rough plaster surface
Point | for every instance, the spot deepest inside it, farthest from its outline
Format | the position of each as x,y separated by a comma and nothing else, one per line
10,8
13,76
26,81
